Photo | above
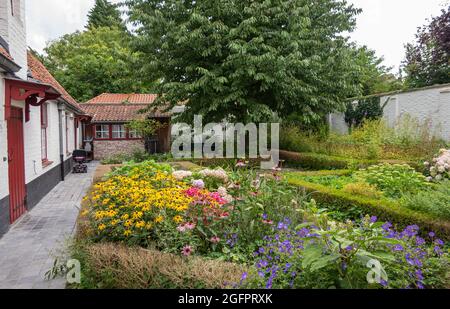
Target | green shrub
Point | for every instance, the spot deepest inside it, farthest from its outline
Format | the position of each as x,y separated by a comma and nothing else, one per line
434,201
314,161
386,210
393,179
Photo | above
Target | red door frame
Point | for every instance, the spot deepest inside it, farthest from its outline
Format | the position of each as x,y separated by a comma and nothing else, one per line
33,94
16,164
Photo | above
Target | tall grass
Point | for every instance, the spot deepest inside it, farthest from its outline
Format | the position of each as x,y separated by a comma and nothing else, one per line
409,139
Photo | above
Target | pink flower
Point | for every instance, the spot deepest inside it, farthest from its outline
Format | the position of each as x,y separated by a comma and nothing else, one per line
189,226
224,215
215,240
187,251
241,164
269,222
181,228
191,192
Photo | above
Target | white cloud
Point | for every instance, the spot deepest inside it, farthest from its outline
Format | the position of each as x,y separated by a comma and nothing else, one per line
384,25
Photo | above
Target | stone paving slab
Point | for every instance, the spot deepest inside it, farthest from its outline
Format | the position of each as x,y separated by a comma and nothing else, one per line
28,250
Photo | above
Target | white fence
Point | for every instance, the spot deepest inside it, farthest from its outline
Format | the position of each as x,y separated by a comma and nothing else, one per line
430,103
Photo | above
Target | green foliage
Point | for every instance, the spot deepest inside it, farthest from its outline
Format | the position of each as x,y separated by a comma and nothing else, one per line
355,206
371,75
364,109
409,140
244,60
393,179
145,128
427,59
96,61
137,155
105,14
314,161
435,200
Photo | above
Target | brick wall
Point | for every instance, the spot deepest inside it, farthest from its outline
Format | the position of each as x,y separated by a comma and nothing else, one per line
105,149
3,144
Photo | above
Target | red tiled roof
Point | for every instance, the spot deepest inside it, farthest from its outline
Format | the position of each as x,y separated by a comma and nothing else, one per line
122,98
40,73
121,107
5,53
118,113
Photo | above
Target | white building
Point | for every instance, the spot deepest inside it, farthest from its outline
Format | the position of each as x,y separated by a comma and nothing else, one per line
39,121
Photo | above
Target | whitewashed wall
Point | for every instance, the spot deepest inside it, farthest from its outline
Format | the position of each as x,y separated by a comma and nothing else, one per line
3,143
13,31
432,103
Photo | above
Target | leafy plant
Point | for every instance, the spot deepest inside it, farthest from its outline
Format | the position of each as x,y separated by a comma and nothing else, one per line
393,179
435,200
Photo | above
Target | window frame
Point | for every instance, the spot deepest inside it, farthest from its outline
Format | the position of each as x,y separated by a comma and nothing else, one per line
123,131
108,131
44,133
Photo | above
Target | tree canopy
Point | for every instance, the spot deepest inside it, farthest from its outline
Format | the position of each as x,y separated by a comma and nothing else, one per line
92,62
428,58
105,14
244,60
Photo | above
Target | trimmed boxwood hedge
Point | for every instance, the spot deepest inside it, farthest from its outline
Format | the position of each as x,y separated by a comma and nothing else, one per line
315,161
385,210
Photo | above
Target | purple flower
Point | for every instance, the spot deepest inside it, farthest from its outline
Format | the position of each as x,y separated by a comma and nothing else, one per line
265,216
398,248
420,241
349,248
420,285
244,276
373,219
431,234
383,282
419,274
386,226
303,232
200,184
439,242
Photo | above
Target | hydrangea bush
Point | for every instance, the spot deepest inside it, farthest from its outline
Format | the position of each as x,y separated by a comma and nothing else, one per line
439,169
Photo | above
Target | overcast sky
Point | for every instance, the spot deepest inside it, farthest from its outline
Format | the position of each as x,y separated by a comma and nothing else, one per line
384,25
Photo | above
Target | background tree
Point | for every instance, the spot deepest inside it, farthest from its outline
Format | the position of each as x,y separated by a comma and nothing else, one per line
96,61
244,60
105,14
371,75
428,58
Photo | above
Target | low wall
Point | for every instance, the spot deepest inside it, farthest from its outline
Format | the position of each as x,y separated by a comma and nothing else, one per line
105,149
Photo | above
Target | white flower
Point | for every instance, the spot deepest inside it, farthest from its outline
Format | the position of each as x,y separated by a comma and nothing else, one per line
429,179
219,174
441,168
426,163
438,177
180,175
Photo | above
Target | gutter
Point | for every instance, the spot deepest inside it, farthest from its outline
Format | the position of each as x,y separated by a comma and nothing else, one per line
8,65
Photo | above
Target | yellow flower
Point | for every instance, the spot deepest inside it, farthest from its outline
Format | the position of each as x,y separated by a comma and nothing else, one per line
85,212
149,226
101,227
127,233
140,224
178,219
125,216
159,219
128,223
114,222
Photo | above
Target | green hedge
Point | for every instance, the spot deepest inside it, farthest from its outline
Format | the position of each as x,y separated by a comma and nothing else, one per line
384,210
315,161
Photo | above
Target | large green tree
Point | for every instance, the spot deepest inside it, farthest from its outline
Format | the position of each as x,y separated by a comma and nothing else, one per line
245,59
428,58
105,14
95,61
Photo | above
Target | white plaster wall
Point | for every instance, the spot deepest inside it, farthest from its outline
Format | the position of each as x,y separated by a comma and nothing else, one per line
4,187
13,31
431,103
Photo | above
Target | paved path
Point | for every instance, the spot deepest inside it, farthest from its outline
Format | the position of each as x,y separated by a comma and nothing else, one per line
29,248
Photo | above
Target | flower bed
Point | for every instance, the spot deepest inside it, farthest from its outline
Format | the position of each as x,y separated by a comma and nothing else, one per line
236,217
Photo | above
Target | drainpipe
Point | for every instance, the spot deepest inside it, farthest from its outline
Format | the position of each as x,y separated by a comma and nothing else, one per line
61,140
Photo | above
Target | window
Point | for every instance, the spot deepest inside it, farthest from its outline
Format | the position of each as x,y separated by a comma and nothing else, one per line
102,131
118,131
133,134
44,126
